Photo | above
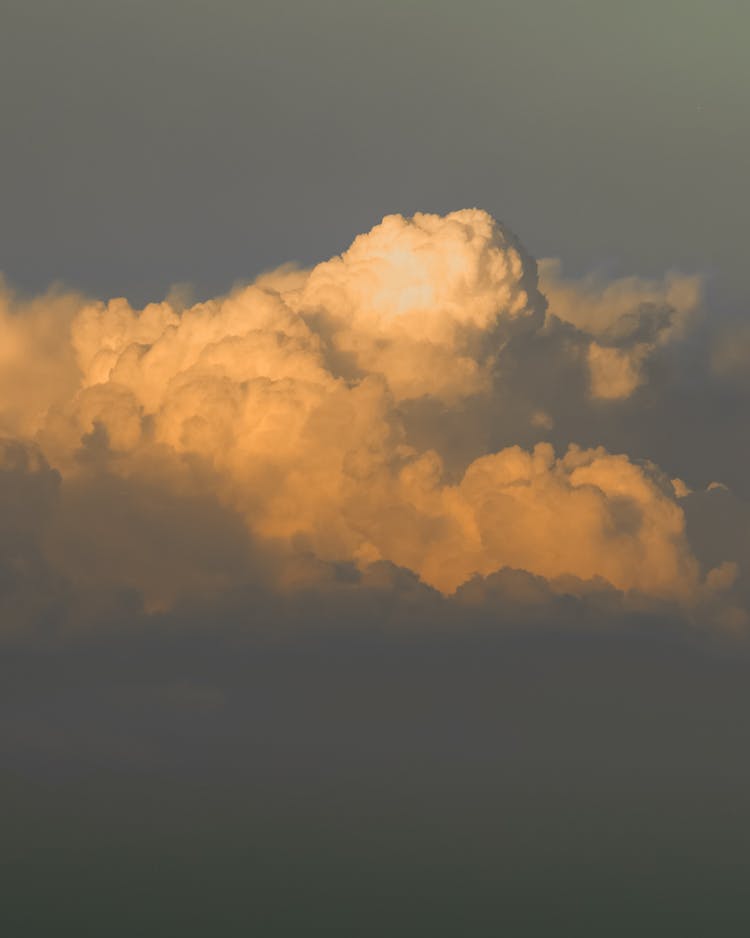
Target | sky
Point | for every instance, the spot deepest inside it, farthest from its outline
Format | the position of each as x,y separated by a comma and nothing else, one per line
374,499
152,143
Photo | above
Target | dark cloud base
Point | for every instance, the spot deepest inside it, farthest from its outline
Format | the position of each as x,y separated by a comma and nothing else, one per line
396,875
183,777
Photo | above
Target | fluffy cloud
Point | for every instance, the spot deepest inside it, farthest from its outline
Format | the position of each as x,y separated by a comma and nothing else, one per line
37,364
303,419
426,302
625,320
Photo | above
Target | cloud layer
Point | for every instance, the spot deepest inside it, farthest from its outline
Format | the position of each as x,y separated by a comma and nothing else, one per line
346,418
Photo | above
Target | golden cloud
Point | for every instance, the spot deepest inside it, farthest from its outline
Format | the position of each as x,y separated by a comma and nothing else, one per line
284,400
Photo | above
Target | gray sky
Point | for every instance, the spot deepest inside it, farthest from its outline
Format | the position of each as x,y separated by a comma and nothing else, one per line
148,143
205,730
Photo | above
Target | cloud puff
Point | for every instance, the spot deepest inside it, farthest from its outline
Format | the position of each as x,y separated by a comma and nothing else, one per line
625,320
309,411
37,364
426,302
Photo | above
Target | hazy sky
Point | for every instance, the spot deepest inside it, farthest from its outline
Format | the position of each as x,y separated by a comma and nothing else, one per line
390,583
152,142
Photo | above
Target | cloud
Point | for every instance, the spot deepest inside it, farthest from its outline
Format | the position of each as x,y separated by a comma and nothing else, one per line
37,364
624,320
426,302
301,431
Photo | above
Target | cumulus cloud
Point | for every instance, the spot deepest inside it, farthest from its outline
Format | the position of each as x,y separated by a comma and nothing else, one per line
426,302
37,363
299,429
624,320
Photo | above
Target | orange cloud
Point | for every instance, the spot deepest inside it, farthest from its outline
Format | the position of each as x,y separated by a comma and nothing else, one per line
286,398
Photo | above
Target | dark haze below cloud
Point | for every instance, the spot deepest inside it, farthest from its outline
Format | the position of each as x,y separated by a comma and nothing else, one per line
363,781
